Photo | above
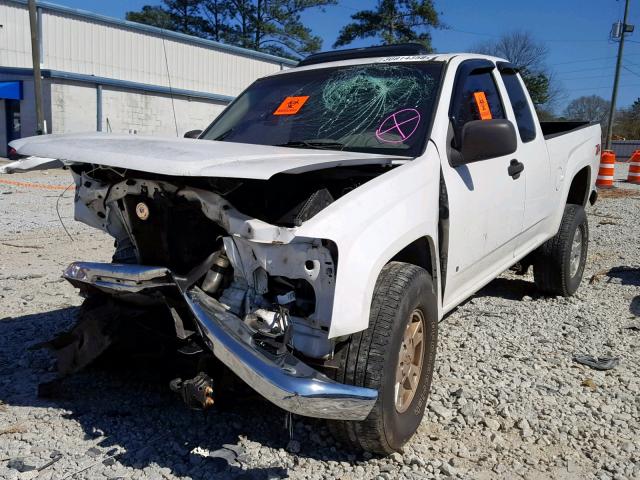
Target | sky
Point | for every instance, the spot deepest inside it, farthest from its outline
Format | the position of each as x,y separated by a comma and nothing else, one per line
576,32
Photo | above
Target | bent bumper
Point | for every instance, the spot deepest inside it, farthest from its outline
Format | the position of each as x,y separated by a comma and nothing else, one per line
282,379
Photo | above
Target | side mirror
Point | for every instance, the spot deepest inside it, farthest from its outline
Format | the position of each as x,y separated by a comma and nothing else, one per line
483,139
193,134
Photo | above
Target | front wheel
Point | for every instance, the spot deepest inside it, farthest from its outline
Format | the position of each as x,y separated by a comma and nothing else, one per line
394,356
559,262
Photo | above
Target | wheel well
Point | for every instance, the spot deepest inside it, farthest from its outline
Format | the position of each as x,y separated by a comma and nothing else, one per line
420,252
579,189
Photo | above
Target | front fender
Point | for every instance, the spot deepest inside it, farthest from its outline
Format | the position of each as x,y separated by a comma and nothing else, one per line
370,225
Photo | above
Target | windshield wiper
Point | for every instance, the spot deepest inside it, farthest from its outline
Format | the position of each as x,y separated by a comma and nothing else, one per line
313,144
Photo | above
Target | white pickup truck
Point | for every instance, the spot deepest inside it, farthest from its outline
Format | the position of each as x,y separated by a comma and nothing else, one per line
314,235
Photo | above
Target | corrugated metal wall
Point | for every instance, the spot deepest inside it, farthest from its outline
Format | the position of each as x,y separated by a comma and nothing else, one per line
15,39
89,46
625,148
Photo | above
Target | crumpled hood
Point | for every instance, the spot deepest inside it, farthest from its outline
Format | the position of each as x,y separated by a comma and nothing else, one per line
184,157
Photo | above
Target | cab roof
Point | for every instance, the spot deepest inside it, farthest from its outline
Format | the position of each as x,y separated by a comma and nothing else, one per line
430,57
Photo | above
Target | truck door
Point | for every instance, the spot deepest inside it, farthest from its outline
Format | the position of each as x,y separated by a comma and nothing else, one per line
486,200
533,154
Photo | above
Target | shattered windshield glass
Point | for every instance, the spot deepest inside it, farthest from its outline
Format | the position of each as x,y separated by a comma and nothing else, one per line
375,108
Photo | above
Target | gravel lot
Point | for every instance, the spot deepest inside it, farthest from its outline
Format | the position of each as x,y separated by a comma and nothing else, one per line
507,402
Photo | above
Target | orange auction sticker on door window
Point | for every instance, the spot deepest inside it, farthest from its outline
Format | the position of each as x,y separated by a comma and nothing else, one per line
483,105
291,105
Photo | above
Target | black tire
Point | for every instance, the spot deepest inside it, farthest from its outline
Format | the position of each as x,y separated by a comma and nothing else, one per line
552,264
370,359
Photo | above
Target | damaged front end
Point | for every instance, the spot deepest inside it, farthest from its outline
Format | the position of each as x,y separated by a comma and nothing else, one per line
222,255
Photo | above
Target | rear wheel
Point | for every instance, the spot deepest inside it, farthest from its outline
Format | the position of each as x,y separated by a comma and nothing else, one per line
559,262
395,356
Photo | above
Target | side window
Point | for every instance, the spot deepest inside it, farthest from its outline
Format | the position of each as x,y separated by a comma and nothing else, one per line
477,99
520,104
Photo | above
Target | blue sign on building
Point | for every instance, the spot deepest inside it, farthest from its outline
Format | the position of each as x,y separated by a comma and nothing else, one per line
11,90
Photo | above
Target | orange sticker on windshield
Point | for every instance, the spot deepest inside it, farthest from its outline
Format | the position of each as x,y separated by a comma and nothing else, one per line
483,105
291,105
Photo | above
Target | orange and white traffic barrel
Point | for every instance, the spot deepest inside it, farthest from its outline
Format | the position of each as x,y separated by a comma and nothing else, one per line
634,168
607,168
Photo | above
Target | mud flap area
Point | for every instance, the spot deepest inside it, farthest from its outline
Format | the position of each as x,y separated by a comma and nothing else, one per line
99,321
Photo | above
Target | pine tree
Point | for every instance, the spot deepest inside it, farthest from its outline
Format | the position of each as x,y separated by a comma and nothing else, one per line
393,21
155,16
273,26
178,15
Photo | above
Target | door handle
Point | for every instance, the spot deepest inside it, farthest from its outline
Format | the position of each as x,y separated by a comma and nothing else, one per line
515,169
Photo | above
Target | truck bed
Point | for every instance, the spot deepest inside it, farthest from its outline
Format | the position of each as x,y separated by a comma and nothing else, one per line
572,150
554,129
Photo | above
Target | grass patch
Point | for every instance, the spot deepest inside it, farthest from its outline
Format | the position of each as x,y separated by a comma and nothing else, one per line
618,193
17,428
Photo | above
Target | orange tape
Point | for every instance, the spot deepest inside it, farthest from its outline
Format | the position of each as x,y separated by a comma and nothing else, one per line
483,105
291,105
36,185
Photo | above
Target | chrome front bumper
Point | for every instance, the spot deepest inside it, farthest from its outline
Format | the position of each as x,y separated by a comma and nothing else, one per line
281,379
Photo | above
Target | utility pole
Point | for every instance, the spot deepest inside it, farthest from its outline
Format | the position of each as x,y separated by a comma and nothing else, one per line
35,57
616,79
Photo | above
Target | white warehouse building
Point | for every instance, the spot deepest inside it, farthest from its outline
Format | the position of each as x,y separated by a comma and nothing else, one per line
106,74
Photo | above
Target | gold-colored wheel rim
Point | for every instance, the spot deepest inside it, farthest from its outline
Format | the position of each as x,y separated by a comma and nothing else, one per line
410,361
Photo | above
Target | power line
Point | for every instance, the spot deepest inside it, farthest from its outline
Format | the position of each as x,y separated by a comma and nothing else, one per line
582,70
603,77
173,107
631,71
607,75
586,60
632,63
455,30
605,87
482,34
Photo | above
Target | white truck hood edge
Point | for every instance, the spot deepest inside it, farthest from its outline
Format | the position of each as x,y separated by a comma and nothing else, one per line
180,156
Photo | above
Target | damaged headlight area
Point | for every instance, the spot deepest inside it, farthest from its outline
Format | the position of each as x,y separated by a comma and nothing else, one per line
252,293
275,287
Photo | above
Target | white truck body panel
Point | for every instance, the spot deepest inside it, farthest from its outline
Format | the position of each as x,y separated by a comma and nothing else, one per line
485,225
497,220
568,154
184,157
375,222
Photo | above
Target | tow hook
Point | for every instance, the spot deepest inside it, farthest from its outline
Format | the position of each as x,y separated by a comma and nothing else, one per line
197,392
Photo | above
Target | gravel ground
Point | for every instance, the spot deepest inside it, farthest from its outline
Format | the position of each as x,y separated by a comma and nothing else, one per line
507,401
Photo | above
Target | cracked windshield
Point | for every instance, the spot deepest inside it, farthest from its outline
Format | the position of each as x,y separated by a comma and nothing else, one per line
374,108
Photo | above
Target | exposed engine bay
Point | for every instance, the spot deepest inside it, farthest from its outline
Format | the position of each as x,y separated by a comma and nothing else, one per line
232,238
